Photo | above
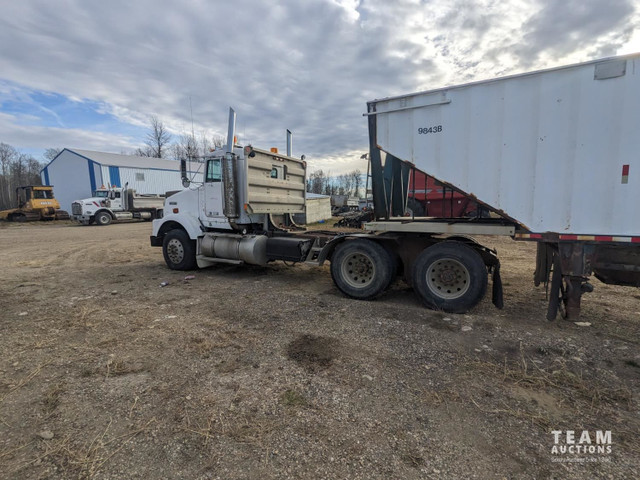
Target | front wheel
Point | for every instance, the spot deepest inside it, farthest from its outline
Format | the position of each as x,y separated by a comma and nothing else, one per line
103,218
362,269
179,250
450,276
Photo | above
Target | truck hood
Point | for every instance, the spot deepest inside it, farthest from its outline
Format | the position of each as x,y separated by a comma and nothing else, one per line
95,201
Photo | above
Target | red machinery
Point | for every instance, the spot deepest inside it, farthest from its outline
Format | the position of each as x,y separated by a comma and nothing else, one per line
429,198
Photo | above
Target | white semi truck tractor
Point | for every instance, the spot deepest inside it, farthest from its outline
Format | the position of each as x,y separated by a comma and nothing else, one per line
114,204
241,214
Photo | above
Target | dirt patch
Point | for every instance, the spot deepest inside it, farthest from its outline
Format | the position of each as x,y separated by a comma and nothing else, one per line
312,352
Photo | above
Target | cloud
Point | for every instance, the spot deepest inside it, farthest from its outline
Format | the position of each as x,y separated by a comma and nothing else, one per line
308,66
580,29
38,137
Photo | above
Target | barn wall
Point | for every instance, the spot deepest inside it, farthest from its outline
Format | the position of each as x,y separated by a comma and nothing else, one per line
144,180
70,176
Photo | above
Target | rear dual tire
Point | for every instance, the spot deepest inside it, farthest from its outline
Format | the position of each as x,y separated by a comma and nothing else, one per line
450,276
362,269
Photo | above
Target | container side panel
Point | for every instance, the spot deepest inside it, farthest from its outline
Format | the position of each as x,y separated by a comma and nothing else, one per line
624,204
518,178
548,149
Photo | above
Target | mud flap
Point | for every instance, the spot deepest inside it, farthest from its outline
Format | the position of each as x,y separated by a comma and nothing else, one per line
496,295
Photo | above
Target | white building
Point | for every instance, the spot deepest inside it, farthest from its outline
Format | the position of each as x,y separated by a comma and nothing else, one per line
75,174
317,208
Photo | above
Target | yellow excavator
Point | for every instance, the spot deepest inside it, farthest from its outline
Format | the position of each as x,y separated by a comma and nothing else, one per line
35,202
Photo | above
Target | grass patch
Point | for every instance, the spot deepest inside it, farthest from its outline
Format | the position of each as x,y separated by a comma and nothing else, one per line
112,368
86,460
572,386
413,459
291,398
52,398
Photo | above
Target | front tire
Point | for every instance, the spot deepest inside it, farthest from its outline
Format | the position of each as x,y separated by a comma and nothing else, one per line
362,269
103,218
450,276
179,250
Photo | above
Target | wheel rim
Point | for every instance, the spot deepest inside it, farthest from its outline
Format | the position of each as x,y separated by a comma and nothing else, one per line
358,270
175,251
448,278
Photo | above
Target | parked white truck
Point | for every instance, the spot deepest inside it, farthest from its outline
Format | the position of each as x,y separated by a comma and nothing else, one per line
551,154
113,204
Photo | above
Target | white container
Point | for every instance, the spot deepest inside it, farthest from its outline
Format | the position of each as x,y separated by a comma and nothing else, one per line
549,149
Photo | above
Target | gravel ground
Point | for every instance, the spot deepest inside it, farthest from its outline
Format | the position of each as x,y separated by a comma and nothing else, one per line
269,372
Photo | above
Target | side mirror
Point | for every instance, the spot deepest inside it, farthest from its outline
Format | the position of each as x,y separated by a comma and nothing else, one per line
112,195
183,173
248,151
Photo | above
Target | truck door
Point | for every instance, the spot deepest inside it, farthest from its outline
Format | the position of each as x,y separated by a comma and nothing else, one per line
116,200
213,190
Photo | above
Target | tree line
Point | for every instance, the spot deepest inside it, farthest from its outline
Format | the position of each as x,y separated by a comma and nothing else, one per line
18,169
351,183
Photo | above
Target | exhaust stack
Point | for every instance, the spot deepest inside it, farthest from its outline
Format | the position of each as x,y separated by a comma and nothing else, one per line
231,208
289,142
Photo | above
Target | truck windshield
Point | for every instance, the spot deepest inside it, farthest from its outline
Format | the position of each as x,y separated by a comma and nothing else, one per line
101,193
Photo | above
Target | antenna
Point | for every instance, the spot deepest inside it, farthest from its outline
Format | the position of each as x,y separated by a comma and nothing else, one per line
191,108
193,134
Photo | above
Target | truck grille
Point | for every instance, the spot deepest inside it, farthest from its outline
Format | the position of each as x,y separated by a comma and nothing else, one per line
76,208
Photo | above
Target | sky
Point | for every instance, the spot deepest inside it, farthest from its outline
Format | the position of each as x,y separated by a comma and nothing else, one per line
88,74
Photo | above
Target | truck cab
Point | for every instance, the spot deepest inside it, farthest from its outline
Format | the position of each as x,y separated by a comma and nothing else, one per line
116,203
103,199
246,192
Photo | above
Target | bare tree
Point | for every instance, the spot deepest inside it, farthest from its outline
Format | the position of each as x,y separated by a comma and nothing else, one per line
144,152
8,154
356,178
158,138
330,187
317,182
51,153
218,141
186,147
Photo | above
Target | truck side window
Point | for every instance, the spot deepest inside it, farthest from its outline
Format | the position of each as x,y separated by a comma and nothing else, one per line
214,172
274,172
